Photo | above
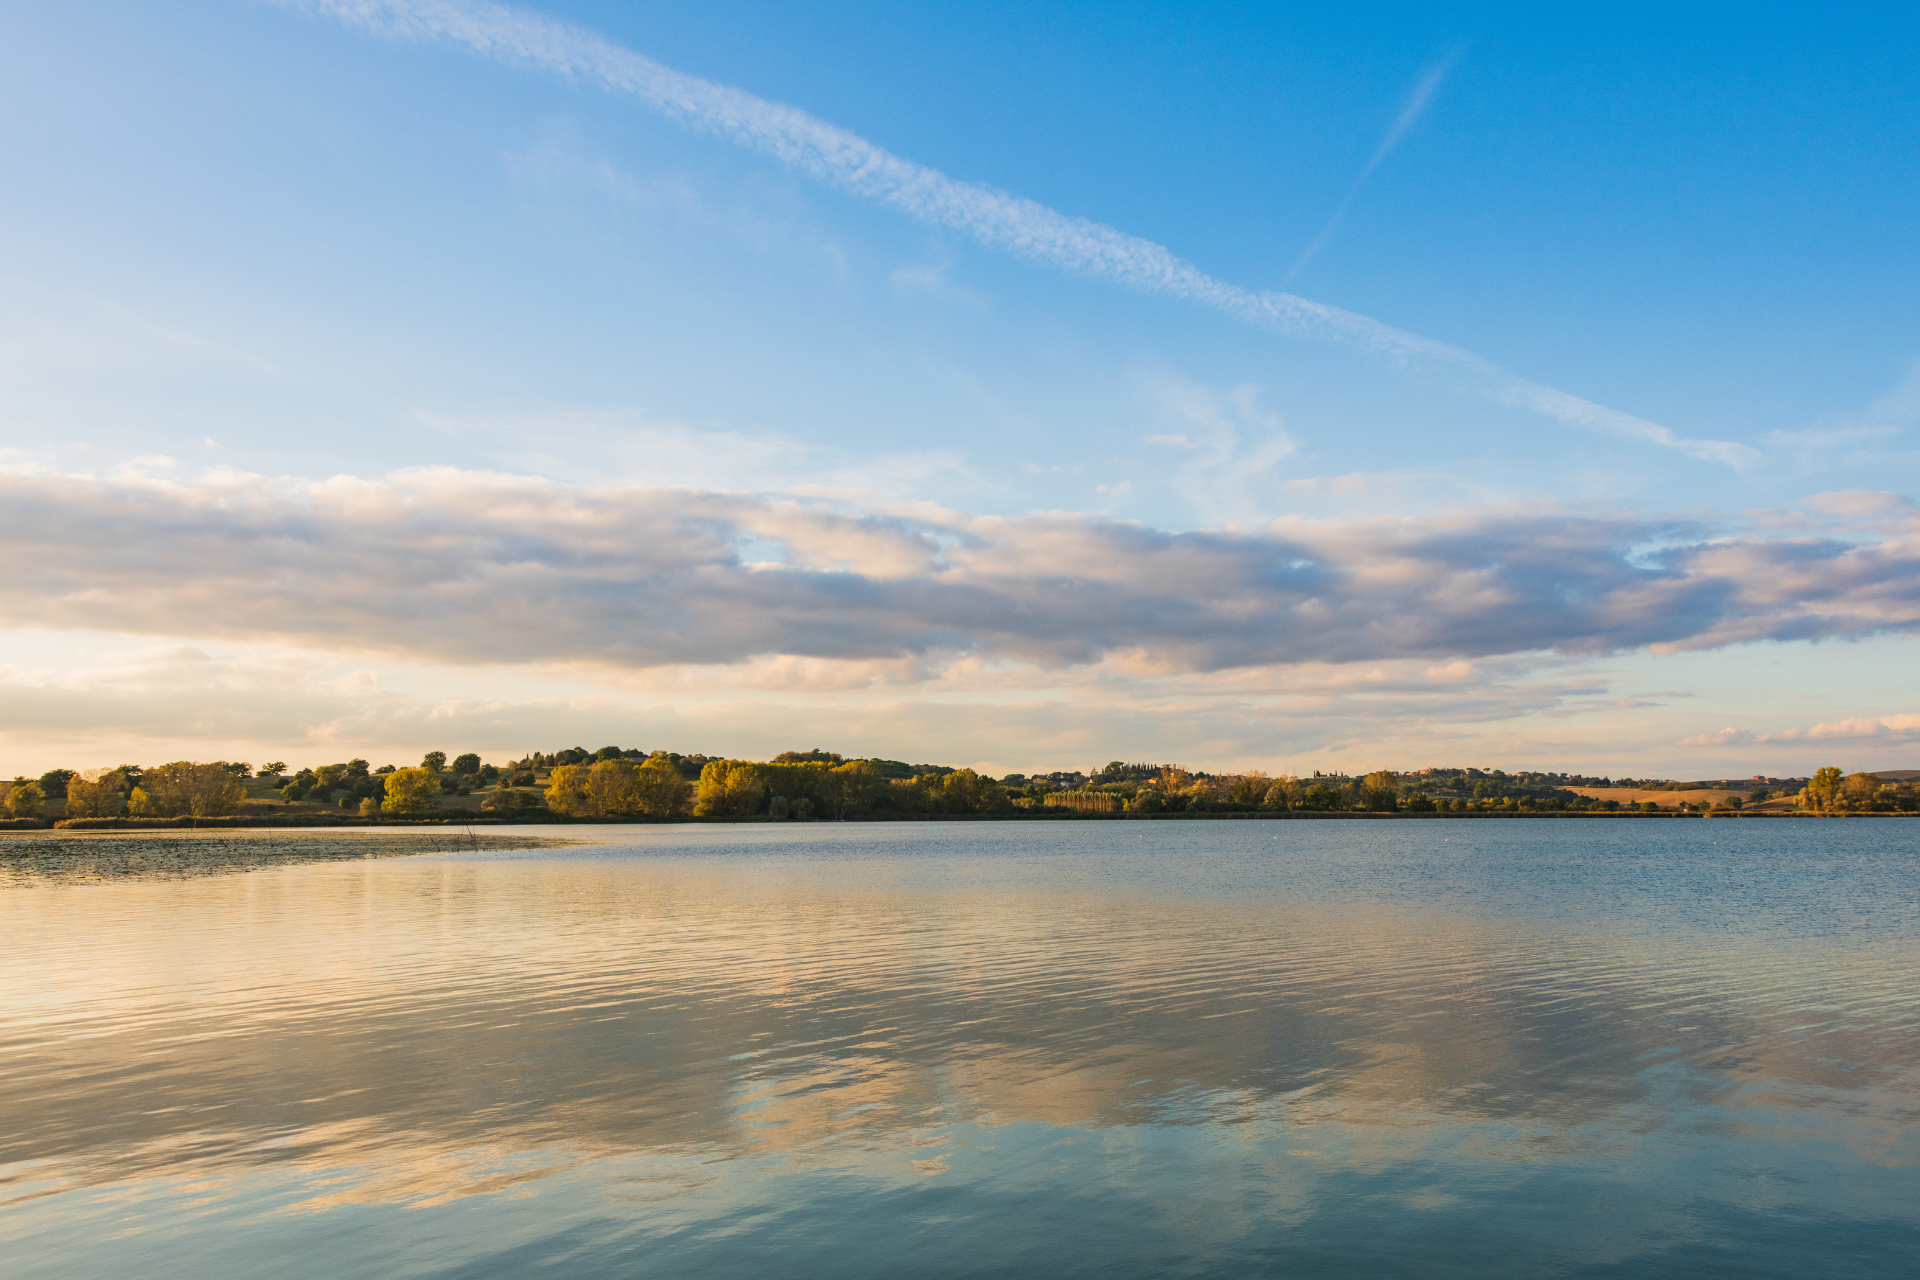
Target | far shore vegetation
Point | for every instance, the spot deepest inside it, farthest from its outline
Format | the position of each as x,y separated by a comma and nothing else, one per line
617,783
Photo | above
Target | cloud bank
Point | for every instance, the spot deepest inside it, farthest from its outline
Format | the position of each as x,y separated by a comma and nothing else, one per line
468,567
992,217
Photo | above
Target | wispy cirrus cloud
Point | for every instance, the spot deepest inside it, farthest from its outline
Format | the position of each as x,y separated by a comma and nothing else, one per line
462,567
995,218
1425,85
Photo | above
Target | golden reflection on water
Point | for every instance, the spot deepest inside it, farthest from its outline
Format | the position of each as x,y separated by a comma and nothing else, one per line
417,1032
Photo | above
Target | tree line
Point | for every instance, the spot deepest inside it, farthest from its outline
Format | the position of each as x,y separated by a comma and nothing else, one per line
211,789
616,782
658,787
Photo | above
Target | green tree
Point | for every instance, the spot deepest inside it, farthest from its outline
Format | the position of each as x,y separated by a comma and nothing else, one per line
434,761
468,763
1859,792
851,788
273,768
1380,791
411,790
1282,795
188,788
662,792
26,800
508,801
1822,793
967,792
1249,788
53,783
1320,796
104,796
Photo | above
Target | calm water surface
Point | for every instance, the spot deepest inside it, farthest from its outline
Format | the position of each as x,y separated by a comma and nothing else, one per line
1673,1048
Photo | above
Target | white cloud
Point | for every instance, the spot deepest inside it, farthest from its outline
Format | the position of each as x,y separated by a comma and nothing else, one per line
152,701
993,217
1867,438
1904,727
590,444
462,567
1233,444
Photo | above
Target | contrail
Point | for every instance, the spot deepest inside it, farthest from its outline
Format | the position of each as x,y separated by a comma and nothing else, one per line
991,216
1415,107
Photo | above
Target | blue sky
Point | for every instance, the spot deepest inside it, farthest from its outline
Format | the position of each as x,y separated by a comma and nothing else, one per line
286,289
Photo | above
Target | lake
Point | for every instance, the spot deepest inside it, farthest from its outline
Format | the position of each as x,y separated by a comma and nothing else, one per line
1526,1048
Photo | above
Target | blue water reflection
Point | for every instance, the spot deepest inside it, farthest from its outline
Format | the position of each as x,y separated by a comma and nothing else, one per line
1333,1048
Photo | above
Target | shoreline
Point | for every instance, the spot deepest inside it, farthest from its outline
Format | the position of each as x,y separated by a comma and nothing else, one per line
311,822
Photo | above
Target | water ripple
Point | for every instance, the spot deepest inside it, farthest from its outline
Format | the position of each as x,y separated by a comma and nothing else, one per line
981,1049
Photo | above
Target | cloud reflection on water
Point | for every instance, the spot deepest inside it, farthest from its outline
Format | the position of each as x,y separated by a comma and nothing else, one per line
427,1025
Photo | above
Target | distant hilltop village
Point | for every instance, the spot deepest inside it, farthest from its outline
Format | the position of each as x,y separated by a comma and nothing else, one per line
617,783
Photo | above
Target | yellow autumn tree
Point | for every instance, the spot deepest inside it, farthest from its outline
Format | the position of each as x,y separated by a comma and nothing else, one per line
613,789
850,788
410,791
616,789
662,792
729,789
566,792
